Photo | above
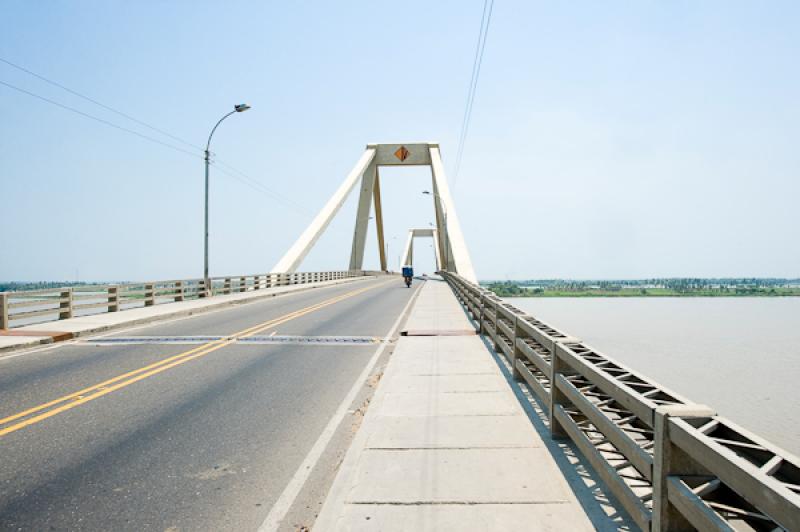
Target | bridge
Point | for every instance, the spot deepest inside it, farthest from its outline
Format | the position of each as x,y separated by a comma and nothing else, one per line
341,400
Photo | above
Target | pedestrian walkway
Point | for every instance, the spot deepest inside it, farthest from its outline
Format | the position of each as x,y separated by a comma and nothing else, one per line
45,333
445,444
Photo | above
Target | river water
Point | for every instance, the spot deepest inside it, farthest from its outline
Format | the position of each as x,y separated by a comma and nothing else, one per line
738,355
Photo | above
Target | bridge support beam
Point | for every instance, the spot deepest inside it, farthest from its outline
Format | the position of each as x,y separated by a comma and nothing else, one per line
379,221
452,254
292,259
408,254
453,248
362,216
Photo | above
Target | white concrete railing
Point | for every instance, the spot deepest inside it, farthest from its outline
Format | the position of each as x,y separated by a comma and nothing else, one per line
672,464
50,304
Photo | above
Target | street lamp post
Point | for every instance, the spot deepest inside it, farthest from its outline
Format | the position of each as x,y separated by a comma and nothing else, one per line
240,108
444,226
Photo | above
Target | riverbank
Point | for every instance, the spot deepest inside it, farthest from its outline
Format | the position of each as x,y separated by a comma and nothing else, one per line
647,288
646,292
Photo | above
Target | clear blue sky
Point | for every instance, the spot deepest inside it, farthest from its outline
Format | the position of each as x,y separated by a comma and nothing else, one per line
608,140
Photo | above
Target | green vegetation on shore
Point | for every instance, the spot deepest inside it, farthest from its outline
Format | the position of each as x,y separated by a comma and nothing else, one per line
647,288
19,286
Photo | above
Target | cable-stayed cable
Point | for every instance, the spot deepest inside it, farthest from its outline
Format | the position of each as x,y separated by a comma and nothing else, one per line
483,33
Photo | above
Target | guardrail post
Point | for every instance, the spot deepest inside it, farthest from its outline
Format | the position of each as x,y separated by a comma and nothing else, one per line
515,351
669,459
495,336
557,398
149,295
113,298
257,282
481,326
226,288
179,296
242,284
65,304
3,310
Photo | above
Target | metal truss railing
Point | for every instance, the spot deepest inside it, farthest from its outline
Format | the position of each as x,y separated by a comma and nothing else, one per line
672,464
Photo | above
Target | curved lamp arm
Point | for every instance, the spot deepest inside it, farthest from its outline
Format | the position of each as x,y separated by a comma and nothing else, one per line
208,144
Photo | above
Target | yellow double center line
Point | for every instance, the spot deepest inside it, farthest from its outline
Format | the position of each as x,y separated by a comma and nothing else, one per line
68,402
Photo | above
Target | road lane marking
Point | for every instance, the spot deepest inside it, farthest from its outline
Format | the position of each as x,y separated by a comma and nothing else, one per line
120,381
288,339
287,498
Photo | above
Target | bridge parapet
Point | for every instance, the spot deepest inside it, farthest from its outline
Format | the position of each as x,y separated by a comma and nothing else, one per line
59,303
672,464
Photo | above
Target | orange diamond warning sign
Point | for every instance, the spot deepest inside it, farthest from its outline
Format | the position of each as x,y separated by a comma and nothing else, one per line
402,153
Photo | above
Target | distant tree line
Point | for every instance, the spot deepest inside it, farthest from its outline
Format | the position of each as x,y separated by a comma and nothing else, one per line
17,286
646,287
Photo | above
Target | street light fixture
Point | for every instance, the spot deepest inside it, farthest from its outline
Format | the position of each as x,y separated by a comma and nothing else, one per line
239,108
444,227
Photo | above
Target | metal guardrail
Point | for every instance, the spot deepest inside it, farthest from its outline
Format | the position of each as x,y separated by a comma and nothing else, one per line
38,306
672,464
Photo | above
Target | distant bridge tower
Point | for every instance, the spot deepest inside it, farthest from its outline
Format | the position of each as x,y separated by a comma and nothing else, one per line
408,254
451,250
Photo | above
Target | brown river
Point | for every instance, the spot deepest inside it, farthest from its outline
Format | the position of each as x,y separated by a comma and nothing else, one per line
738,355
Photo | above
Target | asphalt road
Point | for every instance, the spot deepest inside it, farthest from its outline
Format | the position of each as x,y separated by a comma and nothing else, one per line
206,437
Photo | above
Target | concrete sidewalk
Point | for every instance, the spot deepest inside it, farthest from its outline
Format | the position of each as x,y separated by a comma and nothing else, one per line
445,444
48,332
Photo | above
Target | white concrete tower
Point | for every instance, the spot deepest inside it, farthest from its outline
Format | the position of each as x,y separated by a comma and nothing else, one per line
452,254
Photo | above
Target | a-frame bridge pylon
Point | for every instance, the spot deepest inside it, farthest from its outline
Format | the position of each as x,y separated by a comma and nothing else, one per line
408,254
452,248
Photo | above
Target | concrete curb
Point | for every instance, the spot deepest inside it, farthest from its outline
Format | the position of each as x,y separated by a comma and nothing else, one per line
26,344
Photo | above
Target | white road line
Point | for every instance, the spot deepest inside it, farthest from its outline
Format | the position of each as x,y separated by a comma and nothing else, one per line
292,489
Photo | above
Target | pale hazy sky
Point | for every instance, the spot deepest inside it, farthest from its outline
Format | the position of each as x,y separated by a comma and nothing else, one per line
608,139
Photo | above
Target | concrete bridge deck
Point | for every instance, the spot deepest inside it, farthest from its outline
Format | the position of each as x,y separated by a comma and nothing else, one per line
244,411
445,444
